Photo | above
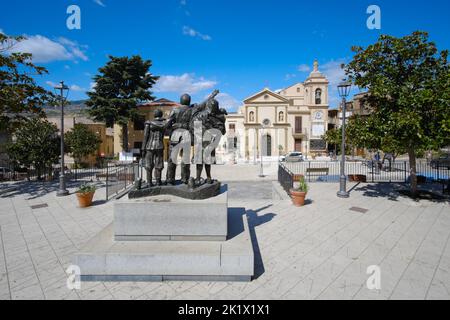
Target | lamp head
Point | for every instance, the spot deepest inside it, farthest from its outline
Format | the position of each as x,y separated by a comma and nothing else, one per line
344,88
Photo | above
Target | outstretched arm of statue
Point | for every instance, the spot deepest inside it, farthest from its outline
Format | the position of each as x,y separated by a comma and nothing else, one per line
201,106
213,95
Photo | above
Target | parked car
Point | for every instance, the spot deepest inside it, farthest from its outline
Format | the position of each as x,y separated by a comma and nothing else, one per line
442,162
294,157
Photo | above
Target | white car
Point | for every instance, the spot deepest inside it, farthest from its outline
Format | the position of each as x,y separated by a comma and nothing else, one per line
294,157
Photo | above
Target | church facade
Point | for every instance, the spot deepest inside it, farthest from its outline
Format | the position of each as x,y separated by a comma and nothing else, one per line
275,123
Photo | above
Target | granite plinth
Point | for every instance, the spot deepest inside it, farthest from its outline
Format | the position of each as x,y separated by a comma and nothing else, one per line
167,217
104,259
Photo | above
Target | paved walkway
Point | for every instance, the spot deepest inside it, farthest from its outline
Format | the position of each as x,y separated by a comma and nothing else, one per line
320,251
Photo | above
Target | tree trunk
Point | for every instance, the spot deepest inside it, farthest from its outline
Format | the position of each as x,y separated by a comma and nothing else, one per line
413,170
125,137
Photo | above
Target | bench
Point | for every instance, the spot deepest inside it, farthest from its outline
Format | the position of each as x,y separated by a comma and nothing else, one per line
320,171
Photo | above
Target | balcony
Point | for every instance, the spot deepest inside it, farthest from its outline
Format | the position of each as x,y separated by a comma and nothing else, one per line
303,133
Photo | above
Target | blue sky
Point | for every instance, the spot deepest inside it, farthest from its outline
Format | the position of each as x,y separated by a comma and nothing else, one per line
237,46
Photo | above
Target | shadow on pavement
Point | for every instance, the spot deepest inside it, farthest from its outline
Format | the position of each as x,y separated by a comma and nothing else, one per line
37,189
255,220
396,191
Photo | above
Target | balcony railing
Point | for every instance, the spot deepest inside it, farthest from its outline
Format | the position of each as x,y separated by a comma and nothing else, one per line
300,133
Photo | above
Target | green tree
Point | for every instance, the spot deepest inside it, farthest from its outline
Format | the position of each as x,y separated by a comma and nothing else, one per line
19,94
81,142
122,84
36,143
333,137
408,81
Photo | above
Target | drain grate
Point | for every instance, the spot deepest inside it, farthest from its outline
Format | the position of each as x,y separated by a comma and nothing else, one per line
39,206
357,209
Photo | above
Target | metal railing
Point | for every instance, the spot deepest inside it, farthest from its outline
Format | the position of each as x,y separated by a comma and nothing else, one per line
285,177
116,177
373,171
10,172
120,178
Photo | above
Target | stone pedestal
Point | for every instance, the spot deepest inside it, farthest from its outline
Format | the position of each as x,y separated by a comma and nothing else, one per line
167,217
213,242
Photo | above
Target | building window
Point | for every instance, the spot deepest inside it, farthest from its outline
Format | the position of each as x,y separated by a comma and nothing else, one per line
298,124
319,96
235,141
298,89
251,116
281,116
232,126
318,145
139,123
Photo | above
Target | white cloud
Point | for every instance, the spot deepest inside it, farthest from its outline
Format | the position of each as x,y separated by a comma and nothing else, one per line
74,48
45,50
100,3
75,87
50,84
92,86
185,83
193,33
334,73
228,102
304,68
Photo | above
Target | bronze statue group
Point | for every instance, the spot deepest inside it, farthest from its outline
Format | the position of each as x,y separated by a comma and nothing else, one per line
181,128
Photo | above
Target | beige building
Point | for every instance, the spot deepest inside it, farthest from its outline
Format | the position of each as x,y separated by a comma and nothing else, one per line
275,123
136,128
106,147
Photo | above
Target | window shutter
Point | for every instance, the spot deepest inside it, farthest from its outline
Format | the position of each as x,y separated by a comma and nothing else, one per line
298,124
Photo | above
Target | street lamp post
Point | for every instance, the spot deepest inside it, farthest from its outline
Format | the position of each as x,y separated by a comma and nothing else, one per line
262,148
344,90
62,179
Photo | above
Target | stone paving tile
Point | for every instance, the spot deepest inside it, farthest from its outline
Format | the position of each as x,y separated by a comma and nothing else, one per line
320,251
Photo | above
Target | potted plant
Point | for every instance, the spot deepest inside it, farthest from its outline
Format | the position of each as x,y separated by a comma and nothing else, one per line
85,194
298,193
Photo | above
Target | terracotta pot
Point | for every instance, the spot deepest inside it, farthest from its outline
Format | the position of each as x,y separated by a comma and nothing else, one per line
85,199
298,198
357,178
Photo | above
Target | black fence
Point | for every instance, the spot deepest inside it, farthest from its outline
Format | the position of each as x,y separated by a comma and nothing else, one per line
115,176
9,172
285,177
370,171
120,178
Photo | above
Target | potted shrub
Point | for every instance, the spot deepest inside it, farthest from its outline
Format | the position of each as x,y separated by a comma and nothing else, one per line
298,193
85,194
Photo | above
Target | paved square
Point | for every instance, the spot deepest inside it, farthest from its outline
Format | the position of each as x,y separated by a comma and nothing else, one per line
320,251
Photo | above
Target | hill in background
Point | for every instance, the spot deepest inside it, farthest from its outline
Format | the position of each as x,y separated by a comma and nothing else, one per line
77,107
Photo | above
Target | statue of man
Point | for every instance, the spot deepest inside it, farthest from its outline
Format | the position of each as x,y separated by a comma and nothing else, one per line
211,117
180,118
153,147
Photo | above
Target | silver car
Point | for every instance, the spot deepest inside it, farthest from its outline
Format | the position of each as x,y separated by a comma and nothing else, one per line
294,157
